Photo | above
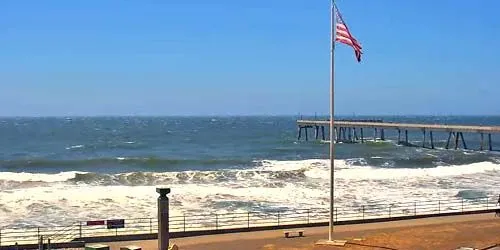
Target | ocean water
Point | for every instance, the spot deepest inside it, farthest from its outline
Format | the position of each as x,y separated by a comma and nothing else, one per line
55,171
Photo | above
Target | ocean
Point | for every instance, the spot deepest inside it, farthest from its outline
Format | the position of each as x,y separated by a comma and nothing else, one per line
56,171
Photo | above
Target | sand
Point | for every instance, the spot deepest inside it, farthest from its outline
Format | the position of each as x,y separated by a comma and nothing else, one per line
451,232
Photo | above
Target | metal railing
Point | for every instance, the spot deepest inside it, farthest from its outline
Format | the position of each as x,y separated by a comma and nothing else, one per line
219,221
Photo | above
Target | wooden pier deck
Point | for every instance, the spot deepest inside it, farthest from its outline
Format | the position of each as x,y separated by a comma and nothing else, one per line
347,131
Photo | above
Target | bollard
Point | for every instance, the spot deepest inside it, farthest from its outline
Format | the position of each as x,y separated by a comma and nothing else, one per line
163,236
80,230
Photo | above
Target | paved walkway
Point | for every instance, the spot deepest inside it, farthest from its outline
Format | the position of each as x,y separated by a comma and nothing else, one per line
450,232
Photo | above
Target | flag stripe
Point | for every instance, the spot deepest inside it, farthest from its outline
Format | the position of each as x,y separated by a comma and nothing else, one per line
343,35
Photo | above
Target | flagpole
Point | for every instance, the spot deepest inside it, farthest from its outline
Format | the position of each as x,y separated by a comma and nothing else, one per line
332,143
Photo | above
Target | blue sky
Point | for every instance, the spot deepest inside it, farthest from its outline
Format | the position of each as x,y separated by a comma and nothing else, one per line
227,57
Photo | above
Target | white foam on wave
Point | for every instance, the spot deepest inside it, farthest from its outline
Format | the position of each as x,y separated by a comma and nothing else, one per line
23,176
75,147
294,184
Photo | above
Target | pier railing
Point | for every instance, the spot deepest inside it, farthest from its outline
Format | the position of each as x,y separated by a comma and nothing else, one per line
244,220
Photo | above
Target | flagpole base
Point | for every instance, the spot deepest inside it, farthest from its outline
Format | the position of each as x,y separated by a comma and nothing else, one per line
339,243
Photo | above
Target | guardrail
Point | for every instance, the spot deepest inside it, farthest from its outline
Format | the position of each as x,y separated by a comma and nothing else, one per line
217,221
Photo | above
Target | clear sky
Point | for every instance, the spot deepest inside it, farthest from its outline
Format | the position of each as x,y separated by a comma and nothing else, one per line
232,57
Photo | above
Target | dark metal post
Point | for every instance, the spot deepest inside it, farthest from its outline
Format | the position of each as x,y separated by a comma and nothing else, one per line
390,211
184,222
375,134
463,140
216,222
150,225
462,204
362,137
489,141
305,130
432,139
299,133
80,230
456,140
323,132
448,141
336,214
423,141
248,220
363,212
308,216
406,136
415,207
399,136
163,230
382,134
439,207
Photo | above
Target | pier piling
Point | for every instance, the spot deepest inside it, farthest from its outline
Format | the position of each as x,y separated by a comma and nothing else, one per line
489,142
423,141
432,139
399,136
347,131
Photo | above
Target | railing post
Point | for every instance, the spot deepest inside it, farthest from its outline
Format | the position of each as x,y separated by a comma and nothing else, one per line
487,198
462,205
390,211
38,232
150,225
278,218
415,208
439,206
80,230
248,220
216,222
336,215
363,211
308,211
0,237
48,243
184,222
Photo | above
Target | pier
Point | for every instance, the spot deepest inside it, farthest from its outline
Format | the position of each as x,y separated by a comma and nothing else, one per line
355,131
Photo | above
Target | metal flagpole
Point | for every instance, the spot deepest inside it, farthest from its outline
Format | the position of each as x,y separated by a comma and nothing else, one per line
332,143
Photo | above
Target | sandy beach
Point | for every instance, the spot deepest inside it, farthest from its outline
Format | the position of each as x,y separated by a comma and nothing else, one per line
479,231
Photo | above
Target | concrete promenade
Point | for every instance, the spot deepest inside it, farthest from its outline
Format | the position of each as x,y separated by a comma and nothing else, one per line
450,232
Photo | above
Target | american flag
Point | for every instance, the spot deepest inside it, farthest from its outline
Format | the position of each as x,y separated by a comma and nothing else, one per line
343,35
